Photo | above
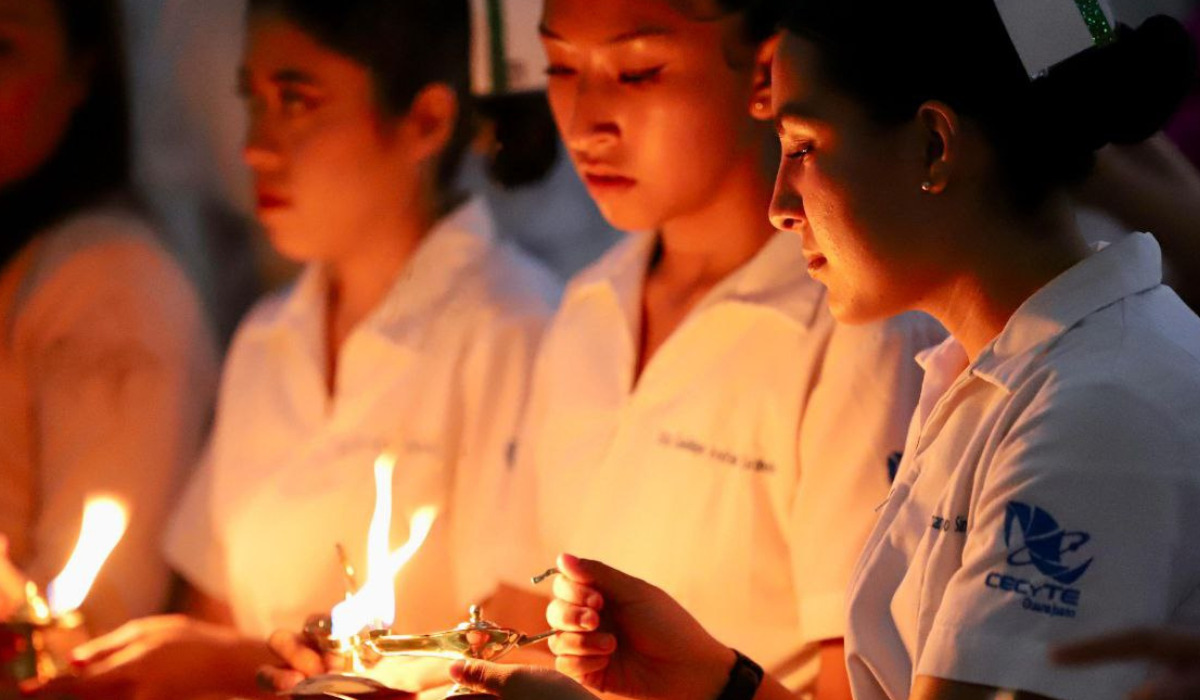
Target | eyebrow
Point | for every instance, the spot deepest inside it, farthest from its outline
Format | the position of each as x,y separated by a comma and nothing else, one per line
287,76
622,38
795,112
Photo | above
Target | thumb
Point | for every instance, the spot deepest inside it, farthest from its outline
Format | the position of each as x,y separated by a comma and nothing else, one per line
481,675
616,586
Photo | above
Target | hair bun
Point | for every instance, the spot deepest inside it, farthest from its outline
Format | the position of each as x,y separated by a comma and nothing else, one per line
1123,92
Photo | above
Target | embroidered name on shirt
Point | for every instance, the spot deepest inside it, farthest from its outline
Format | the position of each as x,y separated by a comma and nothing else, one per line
714,454
942,524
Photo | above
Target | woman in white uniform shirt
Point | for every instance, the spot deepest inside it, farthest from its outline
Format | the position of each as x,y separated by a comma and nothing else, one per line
411,330
1050,483
696,415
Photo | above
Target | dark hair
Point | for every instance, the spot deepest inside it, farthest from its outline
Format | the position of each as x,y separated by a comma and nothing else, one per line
92,160
893,56
405,45
761,18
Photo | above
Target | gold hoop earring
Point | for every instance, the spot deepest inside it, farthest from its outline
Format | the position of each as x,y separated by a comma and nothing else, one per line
927,187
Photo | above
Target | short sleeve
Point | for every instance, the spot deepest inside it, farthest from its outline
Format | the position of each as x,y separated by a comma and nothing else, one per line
854,427
193,544
1081,528
122,373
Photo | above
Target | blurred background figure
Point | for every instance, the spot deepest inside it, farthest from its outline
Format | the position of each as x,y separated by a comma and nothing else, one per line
410,331
106,362
189,130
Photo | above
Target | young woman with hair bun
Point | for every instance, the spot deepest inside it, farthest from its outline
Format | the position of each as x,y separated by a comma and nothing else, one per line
1049,485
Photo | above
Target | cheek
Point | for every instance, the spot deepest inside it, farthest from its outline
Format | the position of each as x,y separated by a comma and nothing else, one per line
33,118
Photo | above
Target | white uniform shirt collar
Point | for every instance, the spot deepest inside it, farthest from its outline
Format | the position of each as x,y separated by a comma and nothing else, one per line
454,245
769,280
1115,272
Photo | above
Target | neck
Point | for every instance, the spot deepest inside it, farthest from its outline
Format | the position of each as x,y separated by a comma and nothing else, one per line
362,278
1014,261
710,243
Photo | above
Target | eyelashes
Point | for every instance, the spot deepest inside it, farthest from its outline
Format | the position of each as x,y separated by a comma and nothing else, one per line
638,77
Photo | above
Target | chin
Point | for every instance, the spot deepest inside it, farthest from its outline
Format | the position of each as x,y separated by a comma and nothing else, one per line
854,312
291,244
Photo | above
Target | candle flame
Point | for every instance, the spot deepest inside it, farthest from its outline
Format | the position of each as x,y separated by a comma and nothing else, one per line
374,605
104,522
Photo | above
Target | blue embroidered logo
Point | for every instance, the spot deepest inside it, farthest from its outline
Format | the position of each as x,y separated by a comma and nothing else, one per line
1034,538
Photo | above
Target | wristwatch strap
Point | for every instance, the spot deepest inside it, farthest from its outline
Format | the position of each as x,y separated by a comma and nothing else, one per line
744,679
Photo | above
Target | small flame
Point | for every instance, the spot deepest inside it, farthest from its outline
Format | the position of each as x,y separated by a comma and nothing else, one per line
374,605
104,521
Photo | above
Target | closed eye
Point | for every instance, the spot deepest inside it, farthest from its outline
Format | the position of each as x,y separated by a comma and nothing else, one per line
641,76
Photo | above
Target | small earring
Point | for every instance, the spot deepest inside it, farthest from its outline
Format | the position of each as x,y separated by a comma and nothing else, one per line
927,187
760,105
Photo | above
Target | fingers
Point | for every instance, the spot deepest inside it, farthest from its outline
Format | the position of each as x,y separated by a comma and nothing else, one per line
580,667
1169,648
517,682
575,644
481,676
96,649
577,593
274,679
294,652
566,617
614,585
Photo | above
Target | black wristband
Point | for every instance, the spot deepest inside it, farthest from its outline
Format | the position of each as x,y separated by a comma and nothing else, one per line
744,679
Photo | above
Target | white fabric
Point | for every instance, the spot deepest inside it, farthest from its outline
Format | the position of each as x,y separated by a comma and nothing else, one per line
742,472
437,373
1046,32
107,376
525,60
1085,408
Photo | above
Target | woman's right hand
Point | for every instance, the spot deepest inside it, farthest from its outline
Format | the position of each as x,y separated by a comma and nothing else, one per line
297,660
619,634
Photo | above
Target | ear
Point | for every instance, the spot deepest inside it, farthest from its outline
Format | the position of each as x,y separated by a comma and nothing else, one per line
431,120
941,130
760,97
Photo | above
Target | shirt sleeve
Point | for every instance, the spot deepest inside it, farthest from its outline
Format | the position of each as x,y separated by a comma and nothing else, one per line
1080,529
496,379
122,372
193,545
854,426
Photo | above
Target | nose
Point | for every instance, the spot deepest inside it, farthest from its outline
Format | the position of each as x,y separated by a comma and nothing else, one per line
590,124
262,150
787,206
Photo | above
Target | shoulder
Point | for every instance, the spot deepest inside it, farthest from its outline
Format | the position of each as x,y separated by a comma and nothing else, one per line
618,259
103,274
102,244
511,284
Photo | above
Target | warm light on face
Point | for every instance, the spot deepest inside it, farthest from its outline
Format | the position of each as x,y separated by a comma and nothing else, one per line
104,522
374,605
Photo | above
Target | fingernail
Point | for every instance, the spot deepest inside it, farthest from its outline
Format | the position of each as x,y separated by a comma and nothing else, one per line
458,669
595,601
589,620
566,560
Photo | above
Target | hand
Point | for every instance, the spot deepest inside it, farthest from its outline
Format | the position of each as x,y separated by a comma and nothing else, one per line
159,658
298,659
12,584
517,682
619,634
1178,653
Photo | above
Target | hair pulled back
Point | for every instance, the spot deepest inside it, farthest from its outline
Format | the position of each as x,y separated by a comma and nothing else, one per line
893,56
405,45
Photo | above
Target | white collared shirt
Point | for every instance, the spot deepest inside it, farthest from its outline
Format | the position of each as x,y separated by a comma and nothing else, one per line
742,472
437,373
1049,491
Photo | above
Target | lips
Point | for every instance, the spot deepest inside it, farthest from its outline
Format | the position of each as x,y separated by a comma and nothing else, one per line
608,180
816,261
268,201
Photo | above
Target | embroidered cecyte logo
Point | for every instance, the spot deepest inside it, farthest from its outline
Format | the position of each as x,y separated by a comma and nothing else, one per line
1034,538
